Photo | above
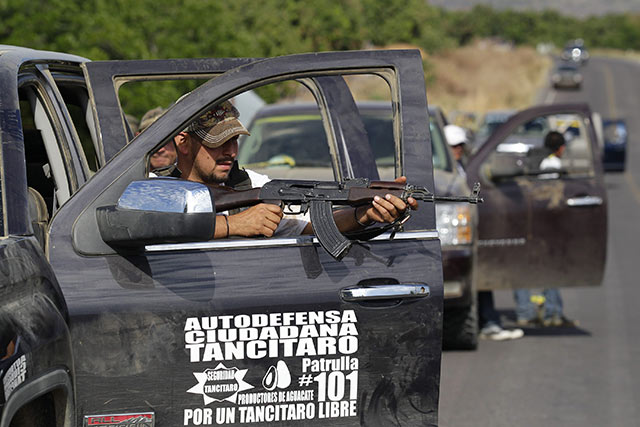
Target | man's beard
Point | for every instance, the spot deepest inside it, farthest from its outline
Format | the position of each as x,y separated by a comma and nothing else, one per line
209,177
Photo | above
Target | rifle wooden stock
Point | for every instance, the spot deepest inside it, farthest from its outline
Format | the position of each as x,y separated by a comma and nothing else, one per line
362,196
228,198
391,185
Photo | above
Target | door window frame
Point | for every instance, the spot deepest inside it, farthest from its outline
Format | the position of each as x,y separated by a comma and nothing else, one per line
61,147
475,167
132,164
77,81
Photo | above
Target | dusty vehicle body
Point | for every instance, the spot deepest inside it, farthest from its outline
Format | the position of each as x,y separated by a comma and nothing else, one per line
144,335
488,124
551,230
459,238
528,220
537,229
456,223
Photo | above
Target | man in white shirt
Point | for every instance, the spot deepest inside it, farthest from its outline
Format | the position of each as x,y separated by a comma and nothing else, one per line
555,142
457,139
553,309
207,150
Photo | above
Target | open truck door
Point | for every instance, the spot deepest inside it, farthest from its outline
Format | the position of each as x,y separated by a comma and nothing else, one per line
265,330
541,228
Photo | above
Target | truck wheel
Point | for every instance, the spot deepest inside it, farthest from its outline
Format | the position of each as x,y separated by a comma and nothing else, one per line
460,327
40,412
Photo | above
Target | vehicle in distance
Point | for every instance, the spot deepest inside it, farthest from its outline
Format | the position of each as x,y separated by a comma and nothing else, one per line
167,327
271,149
615,139
566,76
576,52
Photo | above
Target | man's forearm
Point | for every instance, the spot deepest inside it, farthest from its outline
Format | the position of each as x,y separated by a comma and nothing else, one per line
346,219
222,227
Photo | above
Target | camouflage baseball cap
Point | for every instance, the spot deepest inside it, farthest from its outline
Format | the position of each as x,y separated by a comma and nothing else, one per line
149,117
218,125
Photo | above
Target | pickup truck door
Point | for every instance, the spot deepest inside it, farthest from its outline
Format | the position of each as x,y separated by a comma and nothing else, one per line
259,331
106,77
540,229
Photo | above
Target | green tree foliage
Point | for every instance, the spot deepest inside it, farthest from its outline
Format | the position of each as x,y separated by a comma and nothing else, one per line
143,29
620,31
614,31
408,21
148,29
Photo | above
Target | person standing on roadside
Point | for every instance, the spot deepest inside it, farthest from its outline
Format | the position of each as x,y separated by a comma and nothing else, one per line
489,321
552,314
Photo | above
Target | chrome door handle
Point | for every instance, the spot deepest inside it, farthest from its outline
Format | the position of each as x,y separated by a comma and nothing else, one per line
391,291
584,201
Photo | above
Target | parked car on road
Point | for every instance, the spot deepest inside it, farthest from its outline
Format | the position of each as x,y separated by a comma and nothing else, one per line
566,76
166,327
271,149
615,137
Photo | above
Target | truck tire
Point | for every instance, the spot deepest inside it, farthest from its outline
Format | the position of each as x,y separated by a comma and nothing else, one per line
460,327
40,412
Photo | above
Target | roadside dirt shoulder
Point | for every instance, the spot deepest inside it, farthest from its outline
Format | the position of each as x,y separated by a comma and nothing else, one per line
486,76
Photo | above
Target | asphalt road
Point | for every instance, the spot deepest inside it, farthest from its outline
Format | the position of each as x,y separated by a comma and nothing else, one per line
589,376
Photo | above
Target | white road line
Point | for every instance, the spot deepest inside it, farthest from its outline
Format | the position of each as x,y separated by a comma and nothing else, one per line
551,95
610,90
635,190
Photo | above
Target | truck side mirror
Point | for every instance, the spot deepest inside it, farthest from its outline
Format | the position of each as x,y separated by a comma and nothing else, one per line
158,210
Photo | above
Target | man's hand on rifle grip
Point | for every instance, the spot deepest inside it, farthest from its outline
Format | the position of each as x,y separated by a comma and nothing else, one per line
258,220
390,208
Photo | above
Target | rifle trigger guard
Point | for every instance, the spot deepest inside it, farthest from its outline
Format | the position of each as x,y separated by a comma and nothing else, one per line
289,210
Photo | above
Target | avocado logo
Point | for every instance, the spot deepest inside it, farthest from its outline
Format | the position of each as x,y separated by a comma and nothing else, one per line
277,377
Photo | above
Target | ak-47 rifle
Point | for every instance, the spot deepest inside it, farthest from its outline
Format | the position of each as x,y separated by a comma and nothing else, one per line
319,198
